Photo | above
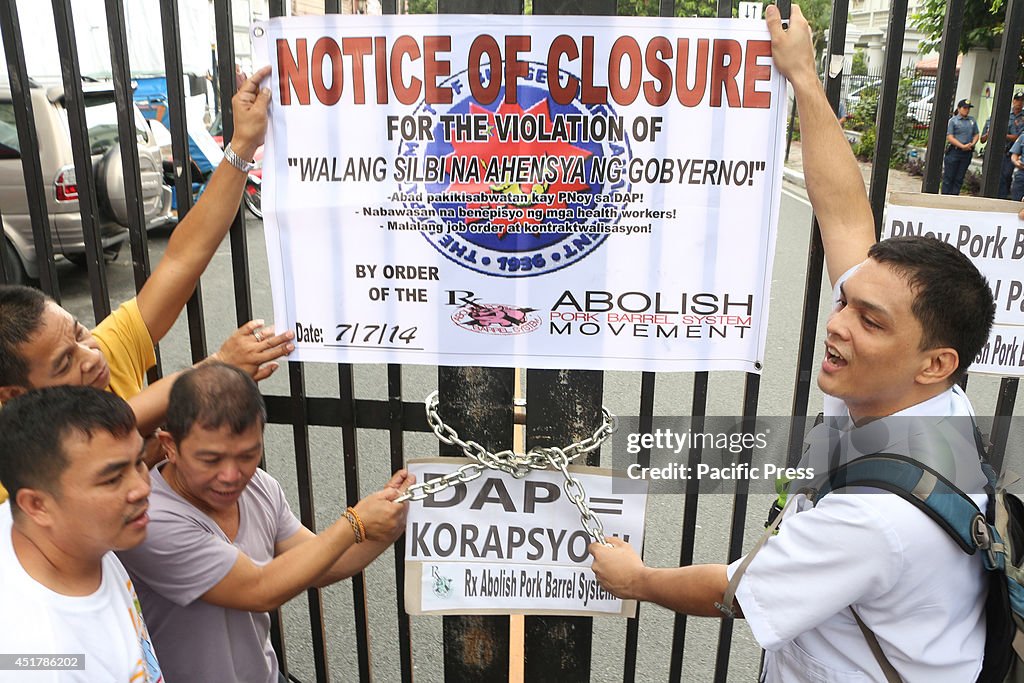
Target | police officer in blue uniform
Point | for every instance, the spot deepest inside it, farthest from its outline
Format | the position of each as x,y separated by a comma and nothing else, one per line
1014,128
962,135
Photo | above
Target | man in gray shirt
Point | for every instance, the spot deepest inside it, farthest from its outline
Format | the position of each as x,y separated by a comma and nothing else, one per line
224,548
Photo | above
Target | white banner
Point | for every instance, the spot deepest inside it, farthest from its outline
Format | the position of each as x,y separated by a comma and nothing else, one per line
519,541
991,234
552,192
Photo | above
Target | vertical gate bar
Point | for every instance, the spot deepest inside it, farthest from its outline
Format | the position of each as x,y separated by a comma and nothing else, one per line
559,648
131,172
562,406
815,257
477,403
346,388
28,141
389,7
1009,64
307,512
698,411
179,148
1003,418
277,637
724,8
5,277
74,105
739,513
215,82
277,641
646,426
887,108
225,26
396,440
117,34
480,6
276,629
332,7
1013,28
942,104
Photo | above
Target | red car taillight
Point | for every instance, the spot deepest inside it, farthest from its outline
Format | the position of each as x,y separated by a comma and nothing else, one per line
66,185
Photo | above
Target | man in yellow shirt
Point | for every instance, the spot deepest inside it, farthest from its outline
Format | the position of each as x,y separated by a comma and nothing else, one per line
41,344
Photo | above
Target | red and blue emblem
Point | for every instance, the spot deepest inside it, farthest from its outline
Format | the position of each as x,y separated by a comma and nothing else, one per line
515,197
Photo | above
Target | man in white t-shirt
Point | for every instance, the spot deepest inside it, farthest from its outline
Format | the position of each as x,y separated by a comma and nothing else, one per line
72,461
908,322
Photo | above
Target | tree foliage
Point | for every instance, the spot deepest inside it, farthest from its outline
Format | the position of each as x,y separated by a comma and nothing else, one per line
859,67
983,23
651,8
818,12
421,6
865,113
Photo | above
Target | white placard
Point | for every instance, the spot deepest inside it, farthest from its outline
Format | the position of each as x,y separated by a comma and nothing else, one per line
501,545
991,234
551,192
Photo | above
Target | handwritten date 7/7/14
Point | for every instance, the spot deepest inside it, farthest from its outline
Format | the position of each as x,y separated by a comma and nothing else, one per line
361,334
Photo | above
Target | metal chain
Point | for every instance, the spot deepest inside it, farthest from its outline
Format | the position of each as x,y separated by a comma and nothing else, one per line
516,464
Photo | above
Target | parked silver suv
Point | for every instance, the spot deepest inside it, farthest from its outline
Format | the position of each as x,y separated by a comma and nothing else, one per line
58,168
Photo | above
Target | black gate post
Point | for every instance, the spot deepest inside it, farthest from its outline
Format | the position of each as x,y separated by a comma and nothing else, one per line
562,406
942,103
1009,64
477,403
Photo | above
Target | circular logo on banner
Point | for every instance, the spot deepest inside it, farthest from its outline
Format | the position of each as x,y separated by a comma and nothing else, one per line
496,319
515,186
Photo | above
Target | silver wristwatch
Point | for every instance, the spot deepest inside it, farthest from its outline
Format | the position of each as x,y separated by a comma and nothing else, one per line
237,161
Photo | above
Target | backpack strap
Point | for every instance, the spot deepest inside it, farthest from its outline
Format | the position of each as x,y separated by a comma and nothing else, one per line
923,487
727,607
928,491
891,675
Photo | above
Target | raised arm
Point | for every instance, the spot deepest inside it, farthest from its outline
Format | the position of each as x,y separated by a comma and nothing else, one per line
195,240
834,182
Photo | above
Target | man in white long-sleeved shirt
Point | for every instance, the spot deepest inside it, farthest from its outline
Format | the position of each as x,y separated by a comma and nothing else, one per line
907,323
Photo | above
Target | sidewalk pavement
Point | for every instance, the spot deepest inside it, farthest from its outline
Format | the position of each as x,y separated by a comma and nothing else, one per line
899,181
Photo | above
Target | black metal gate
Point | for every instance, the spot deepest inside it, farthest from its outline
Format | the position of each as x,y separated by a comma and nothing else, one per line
323,643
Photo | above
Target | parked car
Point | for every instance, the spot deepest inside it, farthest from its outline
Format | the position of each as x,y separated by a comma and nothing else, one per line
57,161
854,95
921,110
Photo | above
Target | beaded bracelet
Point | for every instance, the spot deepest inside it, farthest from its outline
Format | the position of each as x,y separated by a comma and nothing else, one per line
357,524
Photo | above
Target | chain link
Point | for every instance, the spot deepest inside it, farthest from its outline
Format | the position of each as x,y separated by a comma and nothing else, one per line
516,464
